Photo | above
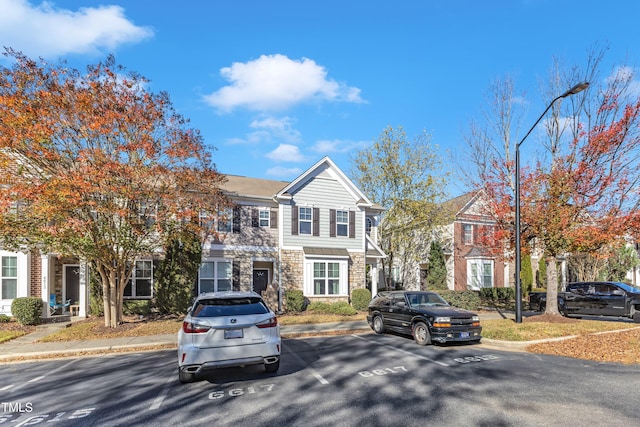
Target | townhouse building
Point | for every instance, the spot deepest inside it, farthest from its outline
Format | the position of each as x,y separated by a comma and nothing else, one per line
317,233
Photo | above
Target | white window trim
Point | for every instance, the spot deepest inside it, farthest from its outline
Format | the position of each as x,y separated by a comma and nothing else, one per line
23,276
475,283
345,222
133,281
343,277
306,221
266,211
215,277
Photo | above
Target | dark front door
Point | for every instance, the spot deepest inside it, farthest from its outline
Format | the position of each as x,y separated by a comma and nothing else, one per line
260,280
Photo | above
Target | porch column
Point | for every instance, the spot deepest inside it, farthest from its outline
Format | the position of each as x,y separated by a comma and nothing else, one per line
83,284
45,288
374,279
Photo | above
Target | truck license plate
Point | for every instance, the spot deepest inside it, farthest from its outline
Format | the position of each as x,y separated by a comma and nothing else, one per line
232,333
464,334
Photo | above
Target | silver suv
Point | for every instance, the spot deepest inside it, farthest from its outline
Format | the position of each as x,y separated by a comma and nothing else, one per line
225,329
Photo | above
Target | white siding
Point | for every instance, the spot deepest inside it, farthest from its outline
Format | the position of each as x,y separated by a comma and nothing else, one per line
324,194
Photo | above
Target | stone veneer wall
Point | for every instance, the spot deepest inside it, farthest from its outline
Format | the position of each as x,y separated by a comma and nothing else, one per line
293,273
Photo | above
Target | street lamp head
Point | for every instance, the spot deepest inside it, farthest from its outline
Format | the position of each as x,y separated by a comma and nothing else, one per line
577,88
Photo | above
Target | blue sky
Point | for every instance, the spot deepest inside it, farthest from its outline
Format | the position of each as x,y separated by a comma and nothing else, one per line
277,85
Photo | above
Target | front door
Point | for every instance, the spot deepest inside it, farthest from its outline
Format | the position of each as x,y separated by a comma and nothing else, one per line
260,280
71,278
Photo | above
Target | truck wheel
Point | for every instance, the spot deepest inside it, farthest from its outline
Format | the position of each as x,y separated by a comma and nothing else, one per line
541,306
378,325
636,317
421,334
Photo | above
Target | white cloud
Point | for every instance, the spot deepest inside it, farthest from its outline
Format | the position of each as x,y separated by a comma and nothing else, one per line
337,146
286,153
278,127
275,82
46,31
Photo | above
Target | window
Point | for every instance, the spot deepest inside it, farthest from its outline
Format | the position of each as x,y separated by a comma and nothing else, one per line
215,276
326,278
264,217
368,225
225,220
467,234
304,220
9,277
206,220
480,274
147,214
141,283
342,223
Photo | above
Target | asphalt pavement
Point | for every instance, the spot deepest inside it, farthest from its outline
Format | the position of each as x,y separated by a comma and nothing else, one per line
28,346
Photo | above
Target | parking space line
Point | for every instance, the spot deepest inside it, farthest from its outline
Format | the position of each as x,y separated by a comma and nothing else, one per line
157,402
404,351
312,371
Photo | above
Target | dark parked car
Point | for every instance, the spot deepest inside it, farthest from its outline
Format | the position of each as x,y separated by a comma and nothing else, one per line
424,315
594,299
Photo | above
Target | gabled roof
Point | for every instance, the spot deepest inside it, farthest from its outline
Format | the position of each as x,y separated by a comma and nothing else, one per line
326,165
458,204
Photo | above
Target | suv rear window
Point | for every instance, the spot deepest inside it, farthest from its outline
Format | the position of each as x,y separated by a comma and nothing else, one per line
229,307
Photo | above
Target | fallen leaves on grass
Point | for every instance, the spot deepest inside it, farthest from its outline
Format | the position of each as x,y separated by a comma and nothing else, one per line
615,346
94,329
12,330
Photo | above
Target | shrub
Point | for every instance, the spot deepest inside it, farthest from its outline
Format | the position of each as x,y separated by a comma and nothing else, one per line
27,310
341,308
136,307
360,299
468,300
4,318
294,300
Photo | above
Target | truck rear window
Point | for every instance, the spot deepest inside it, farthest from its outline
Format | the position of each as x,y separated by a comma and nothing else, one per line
229,307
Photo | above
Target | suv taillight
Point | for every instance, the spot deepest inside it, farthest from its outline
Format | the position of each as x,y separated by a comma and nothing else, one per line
192,328
269,323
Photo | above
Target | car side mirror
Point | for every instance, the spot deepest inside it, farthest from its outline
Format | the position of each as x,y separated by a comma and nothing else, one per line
617,292
401,304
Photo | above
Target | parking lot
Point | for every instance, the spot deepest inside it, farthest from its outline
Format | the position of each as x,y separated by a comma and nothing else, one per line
363,379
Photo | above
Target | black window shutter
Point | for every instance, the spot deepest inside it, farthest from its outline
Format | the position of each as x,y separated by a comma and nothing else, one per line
255,221
294,220
236,219
236,275
352,224
273,221
332,223
316,221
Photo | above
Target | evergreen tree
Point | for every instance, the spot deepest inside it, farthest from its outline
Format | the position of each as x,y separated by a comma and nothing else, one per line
436,269
177,273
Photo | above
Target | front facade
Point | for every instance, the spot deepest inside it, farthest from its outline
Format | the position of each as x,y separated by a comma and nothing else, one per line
317,233
472,262
470,259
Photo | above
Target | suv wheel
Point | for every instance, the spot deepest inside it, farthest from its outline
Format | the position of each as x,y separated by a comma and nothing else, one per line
378,325
185,376
421,334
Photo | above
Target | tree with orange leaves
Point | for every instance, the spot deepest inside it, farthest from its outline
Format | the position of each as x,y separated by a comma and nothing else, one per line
96,166
582,194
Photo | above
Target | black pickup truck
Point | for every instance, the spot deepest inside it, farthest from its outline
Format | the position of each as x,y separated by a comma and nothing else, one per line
593,299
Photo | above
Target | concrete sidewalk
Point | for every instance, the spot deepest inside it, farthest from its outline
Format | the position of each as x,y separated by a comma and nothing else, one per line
27,347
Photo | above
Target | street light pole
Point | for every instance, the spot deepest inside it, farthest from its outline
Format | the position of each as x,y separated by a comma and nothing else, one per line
577,88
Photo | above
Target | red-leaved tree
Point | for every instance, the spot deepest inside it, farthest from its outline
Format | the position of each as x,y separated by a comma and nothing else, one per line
94,165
